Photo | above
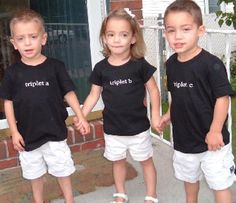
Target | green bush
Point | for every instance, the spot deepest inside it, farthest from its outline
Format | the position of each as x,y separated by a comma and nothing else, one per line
233,74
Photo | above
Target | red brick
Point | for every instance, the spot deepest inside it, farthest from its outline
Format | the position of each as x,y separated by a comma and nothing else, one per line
3,153
132,5
11,151
75,148
8,163
98,129
70,135
90,136
93,144
78,137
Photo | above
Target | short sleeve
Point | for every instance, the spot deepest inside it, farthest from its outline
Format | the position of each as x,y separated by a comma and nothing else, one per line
6,88
219,80
96,75
147,70
64,80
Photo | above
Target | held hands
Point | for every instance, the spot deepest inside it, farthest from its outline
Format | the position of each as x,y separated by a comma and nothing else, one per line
164,121
155,124
81,125
214,140
18,142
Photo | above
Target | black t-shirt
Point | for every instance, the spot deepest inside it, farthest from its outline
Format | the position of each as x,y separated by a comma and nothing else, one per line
123,94
194,86
38,93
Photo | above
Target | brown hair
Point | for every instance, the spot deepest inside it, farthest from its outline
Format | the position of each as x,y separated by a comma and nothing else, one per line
138,48
188,6
26,15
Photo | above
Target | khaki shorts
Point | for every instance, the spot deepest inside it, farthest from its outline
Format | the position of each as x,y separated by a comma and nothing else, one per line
217,167
52,157
139,146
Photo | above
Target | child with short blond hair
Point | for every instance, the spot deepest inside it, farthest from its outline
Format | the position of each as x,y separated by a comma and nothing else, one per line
34,89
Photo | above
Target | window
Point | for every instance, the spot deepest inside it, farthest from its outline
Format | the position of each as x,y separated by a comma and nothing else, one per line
213,7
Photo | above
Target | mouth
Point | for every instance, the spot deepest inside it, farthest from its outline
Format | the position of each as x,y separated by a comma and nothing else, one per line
178,45
28,51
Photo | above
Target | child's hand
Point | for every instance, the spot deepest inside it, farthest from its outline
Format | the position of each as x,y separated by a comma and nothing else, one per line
18,142
214,141
81,125
164,121
155,124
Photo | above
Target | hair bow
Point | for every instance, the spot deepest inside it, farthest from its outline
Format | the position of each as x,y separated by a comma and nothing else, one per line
129,12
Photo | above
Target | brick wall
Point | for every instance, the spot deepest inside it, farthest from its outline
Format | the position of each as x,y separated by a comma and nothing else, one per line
76,141
134,5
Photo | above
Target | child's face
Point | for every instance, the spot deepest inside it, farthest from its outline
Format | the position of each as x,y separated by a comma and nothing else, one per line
28,38
182,33
118,37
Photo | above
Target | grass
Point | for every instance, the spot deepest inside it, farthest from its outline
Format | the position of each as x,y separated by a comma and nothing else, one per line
234,125
167,130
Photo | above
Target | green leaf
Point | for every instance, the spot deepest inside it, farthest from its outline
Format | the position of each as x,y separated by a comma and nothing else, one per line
218,13
220,22
228,22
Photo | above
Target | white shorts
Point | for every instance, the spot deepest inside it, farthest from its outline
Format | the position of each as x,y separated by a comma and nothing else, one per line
139,146
54,157
217,167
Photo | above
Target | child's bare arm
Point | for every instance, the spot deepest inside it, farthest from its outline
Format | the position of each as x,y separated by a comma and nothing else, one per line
165,119
73,102
17,139
155,102
214,138
91,99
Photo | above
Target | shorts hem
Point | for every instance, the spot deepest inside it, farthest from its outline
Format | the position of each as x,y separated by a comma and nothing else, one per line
186,180
143,159
27,177
65,174
225,187
114,159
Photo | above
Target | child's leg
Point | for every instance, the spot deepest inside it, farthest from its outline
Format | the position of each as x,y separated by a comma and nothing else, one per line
223,196
37,188
119,175
191,191
65,185
150,177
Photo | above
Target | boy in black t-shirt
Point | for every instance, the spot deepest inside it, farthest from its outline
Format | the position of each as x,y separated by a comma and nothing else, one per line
34,90
200,90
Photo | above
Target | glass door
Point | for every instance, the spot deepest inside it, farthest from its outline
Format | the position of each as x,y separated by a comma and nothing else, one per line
73,36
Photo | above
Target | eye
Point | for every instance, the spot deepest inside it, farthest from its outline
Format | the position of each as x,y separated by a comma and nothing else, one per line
19,39
186,29
170,30
34,36
109,34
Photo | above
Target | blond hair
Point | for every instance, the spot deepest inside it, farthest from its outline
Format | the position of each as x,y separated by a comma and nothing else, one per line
137,50
26,15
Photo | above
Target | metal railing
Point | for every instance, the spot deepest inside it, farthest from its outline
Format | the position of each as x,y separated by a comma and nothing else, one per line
158,51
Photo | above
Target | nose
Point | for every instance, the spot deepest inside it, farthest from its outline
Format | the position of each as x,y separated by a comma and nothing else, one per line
116,38
27,41
178,34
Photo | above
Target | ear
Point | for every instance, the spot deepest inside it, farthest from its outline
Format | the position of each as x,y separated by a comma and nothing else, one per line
13,43
44,38
201,30
133,40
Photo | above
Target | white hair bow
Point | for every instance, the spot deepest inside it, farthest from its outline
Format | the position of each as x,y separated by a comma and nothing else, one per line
129,12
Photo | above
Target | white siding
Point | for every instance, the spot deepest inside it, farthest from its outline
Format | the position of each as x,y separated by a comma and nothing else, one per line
152,8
